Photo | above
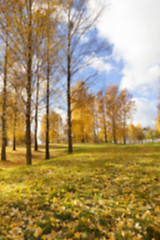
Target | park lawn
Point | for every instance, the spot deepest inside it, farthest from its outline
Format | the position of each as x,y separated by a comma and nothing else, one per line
99,192
18,158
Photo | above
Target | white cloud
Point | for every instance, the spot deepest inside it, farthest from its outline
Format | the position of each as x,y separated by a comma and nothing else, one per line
146,112
84,38
133,27
100,64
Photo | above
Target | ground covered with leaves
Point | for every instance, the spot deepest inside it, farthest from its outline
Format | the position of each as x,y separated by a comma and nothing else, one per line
99,192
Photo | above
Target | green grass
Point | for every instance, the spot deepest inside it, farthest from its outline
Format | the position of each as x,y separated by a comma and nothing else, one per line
98,192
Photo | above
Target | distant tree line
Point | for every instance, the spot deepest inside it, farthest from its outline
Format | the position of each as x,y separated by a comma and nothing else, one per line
104,117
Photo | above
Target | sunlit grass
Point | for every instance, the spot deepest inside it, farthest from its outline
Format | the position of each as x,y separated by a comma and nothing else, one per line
99,192
18,158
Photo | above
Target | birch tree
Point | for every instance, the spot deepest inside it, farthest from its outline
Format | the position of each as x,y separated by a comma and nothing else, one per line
5,21
127,108
113,106
102,113
26,35
78,53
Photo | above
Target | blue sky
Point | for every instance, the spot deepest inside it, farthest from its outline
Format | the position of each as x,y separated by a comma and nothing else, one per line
133,29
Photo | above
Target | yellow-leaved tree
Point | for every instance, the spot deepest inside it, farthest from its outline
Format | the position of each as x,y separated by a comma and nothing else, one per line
83,115
127,108
56,130
102,114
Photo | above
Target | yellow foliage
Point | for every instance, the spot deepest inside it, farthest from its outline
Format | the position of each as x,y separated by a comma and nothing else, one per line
56,130
83,116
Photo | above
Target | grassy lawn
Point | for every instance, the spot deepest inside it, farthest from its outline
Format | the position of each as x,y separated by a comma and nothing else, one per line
99,192
18,158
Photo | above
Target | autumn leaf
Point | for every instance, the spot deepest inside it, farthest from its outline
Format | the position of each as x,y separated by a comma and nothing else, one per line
38,232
